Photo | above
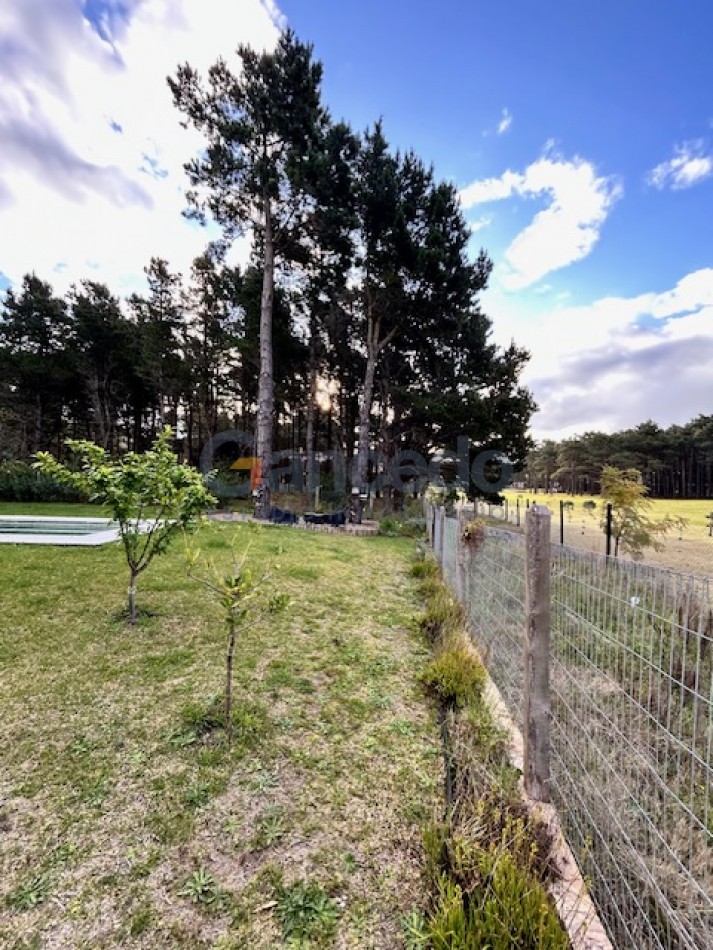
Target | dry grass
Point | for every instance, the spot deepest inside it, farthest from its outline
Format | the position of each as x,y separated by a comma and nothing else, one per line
107,806
689,549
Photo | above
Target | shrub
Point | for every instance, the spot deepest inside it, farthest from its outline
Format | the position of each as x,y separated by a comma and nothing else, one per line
456,675
20,482
389,527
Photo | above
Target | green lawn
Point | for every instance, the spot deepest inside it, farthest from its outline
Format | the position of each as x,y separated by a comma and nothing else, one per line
123,826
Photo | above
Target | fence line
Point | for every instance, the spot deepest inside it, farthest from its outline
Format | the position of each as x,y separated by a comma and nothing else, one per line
632,720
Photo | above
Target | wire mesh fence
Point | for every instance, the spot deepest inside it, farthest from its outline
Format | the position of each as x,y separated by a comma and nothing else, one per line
632,722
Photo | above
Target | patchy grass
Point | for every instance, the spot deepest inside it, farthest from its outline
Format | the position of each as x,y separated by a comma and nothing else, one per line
127,821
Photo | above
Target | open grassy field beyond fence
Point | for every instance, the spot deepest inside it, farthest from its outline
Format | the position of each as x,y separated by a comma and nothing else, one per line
123,824
688,549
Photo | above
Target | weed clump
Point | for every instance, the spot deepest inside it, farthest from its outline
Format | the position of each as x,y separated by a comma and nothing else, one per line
456,675
204,723
503,909
307,913
443,616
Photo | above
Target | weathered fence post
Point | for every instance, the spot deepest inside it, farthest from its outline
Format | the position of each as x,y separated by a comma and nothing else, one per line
461,555
441,533
536,714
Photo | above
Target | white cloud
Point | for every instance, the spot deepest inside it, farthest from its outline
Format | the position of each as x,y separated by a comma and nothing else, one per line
565,231
617,361
479,223
91,169
505,122
690,164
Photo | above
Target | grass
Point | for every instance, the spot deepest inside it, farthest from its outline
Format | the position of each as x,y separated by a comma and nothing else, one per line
126,820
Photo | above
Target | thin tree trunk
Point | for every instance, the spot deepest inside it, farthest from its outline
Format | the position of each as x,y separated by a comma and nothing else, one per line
266,384
311,408
229,683
365,407
39,423
132,598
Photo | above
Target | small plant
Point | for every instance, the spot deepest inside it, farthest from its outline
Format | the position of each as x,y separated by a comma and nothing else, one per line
306,913
456,675
201,887
424,569
590,507
271,827
390,527
246,599
198,795
473,534
30,894
415,930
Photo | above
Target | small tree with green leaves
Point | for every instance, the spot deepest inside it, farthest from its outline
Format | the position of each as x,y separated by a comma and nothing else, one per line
151,496
246,599
633,529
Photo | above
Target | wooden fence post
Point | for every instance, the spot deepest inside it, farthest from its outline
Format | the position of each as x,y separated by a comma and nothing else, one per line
537,711
461,556
441,532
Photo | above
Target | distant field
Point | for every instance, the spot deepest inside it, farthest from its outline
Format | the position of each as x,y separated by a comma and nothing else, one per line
689,549
693,510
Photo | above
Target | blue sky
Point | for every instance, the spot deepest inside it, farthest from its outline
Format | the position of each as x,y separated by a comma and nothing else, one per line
580,135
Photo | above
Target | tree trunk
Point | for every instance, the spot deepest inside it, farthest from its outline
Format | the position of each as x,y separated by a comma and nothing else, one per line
311,407
365,407
39,422
132,598
266,385
229,682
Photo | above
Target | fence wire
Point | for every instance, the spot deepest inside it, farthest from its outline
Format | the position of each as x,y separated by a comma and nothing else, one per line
632,723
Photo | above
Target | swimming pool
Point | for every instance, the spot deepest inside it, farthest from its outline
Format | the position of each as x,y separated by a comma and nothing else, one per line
26,529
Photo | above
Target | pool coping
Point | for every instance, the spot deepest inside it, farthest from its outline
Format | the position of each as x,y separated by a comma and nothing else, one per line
103,534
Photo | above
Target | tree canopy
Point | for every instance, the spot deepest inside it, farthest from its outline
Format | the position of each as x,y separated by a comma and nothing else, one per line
675,462
356,325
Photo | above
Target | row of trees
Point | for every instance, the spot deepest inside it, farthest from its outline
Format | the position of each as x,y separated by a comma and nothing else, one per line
88,365
674,462
357,324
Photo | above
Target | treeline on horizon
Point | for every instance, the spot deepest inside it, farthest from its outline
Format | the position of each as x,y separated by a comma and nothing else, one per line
674,462
356,326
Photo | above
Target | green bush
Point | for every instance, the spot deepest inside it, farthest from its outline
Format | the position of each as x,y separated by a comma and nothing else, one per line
389,527
392,527
456,675
19,481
